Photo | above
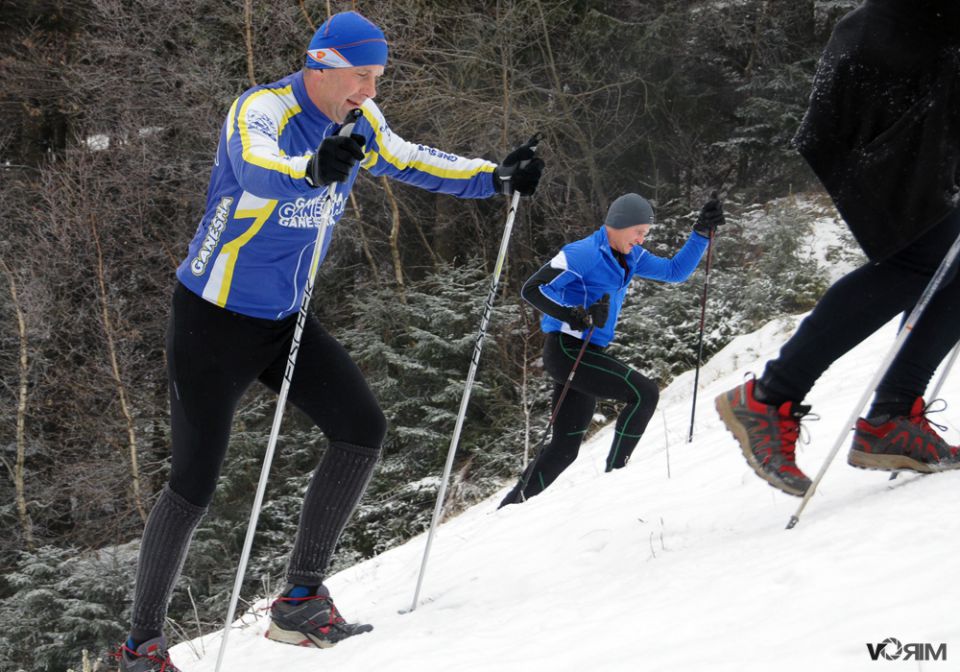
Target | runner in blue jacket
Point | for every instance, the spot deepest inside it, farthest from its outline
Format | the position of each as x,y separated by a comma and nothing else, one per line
236,304
580,293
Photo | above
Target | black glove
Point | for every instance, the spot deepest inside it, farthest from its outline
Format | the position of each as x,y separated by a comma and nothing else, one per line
710,217
520,171
581,318
334,159
600,311
578,318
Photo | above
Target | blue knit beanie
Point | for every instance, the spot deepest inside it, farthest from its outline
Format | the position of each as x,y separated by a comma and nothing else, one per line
346,40
629,210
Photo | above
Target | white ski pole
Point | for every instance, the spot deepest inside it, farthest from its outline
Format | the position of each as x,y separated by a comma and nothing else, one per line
902,335
326,216
471,374
946,372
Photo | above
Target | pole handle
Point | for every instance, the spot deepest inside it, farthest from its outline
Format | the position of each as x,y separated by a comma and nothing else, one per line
349,121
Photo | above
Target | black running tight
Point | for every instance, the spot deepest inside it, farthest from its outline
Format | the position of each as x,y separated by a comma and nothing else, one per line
598,375
214,355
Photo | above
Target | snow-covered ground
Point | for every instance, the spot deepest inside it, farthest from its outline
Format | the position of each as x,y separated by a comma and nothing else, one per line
636,570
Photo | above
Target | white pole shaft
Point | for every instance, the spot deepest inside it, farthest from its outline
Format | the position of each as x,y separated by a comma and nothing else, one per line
465,400
912,320
325,218
946,372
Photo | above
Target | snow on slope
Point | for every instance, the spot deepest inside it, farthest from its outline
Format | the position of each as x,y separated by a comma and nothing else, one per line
637,571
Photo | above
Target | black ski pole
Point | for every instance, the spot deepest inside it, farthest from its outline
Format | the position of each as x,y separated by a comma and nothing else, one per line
703,317
553,416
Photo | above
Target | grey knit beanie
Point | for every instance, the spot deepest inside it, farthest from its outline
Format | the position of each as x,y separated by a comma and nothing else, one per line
629,210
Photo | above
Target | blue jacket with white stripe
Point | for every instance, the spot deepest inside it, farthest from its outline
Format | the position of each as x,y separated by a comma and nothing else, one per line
585,270
253,246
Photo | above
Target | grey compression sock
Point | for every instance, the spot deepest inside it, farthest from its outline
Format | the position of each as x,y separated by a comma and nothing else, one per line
163,549
335,490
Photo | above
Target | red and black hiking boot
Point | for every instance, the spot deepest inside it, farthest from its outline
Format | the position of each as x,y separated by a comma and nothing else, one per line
151,656
902,442
767,436
310,621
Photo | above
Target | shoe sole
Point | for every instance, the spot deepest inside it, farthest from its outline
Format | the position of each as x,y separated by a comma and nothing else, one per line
882,462
278,634
743,438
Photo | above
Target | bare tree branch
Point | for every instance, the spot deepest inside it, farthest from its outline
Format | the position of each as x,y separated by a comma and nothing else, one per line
248,38
394,233
18,472
115,368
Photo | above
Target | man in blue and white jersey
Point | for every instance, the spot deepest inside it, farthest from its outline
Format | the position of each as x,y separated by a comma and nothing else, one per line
580,293
236,303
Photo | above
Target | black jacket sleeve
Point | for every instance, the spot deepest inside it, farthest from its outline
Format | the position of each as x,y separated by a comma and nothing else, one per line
531,293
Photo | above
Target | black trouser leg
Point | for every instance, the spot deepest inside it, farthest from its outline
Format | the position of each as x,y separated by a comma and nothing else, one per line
860,303
934,335
571,424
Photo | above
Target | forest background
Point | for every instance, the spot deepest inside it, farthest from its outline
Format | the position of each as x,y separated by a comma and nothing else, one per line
109,118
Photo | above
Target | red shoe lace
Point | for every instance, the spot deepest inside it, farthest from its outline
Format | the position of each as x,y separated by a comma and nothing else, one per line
165,662
790,432
335,616
791,429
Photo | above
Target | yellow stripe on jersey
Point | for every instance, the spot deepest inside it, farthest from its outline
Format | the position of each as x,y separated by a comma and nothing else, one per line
430,169
233,109
286,118
231,250
249,153
369,160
